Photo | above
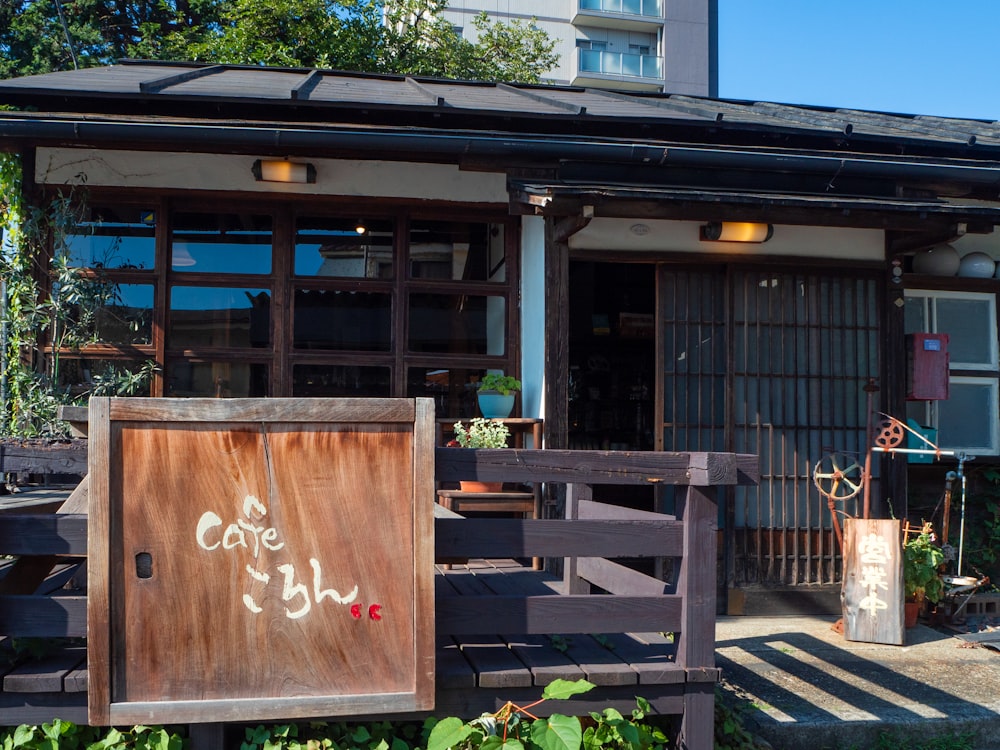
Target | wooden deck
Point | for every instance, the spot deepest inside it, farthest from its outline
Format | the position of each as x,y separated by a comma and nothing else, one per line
474,673
503,630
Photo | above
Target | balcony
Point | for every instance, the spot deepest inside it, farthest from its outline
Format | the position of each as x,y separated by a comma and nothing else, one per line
619,70
637,15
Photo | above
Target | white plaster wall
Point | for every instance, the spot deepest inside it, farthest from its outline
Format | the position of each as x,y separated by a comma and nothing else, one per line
345,177
533,316
682,237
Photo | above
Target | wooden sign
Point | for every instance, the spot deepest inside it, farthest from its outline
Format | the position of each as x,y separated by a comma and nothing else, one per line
872,593
255,559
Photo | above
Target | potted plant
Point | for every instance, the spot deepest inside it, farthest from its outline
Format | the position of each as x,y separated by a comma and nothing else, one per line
922,560
481,433
496,394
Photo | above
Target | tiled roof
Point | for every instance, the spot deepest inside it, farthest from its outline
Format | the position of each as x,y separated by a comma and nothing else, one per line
179,87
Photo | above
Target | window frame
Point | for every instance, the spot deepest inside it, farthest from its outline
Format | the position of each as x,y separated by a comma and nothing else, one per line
961,372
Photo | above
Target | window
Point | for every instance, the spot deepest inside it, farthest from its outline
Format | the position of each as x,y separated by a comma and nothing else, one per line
969,420
267,299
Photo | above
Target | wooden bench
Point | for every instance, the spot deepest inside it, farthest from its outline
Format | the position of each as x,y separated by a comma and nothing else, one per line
503,631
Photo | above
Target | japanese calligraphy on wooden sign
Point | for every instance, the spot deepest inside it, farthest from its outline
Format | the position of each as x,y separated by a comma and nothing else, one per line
872,593
256,559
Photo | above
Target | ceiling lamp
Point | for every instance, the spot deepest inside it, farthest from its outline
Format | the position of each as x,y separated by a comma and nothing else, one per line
736,231
282,170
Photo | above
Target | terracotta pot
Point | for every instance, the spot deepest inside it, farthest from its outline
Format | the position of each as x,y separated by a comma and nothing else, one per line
910,612
481,486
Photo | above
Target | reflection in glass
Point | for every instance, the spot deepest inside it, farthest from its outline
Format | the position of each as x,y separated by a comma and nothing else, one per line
460,251
453,390
457,324
317,381
334,247
217,379
328,319
218,317
970,325
106,312
88,375
221,243
126,317
113,237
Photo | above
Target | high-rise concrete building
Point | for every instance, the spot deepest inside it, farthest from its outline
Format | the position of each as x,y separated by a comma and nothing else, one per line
652,45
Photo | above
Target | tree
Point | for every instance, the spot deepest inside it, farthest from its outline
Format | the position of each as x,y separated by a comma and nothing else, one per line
377,36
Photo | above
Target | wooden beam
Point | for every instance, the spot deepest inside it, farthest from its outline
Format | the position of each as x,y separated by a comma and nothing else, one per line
558,613
503,538
596,467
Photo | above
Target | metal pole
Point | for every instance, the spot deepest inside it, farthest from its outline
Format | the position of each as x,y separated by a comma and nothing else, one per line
870,388
962,458
949,480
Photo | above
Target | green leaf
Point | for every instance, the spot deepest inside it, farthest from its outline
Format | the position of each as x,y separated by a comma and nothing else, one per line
450,732
557,732
23,735
562,689
613,716
630,733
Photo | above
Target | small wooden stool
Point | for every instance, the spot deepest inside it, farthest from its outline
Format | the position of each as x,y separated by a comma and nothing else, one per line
506,502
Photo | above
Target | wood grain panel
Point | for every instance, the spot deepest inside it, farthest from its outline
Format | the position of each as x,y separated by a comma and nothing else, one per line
381,410
275,568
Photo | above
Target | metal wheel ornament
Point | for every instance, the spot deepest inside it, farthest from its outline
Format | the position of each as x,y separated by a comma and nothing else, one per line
889,433
838,476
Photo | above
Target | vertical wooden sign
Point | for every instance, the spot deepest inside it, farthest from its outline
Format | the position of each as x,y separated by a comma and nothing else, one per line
255,559
872,593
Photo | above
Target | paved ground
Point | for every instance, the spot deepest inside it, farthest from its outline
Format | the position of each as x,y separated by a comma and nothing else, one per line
811,688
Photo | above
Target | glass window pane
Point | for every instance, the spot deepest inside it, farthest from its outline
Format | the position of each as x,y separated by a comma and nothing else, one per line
218,316
217,379
461,251
102,377
915,315
457,324
967,420
453,389
970,325
318,381
113,237
335,247
126,316
328,319
221,243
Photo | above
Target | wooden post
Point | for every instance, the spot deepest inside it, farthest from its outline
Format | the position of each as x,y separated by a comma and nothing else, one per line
696,583
872,593
574,494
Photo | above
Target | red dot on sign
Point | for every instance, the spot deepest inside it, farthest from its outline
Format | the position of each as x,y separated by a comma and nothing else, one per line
356,611
373,611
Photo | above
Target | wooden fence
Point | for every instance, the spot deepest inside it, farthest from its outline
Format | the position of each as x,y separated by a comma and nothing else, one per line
503,630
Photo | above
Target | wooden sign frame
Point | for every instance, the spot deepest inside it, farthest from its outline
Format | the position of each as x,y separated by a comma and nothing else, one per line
872,590
259,559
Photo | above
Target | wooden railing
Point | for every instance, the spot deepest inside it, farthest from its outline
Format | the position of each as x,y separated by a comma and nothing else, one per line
511,613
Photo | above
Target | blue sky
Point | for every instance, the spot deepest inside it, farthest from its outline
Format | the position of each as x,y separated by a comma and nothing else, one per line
928,57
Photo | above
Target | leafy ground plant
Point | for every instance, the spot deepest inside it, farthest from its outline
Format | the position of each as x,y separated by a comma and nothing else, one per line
514,727
65,735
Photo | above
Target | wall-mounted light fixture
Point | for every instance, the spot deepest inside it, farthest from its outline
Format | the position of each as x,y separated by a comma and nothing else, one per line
282,170
736,231
360,227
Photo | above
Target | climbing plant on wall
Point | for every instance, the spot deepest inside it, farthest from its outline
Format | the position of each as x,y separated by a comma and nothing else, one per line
49,307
